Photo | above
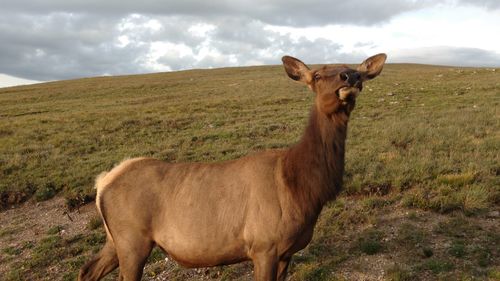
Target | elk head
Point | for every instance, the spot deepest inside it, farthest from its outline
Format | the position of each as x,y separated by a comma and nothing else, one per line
336,87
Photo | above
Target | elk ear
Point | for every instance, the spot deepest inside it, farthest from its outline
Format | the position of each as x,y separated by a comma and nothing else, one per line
372,66
297,70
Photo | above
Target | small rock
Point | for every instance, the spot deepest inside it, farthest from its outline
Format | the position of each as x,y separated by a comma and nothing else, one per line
380,100
390,94
494,214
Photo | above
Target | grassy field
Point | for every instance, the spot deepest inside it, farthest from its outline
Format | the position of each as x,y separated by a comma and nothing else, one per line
422,189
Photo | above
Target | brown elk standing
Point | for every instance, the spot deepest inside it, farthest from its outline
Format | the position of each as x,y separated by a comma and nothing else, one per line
262,207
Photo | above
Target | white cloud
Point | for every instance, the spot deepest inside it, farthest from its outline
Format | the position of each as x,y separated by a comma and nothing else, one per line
445,55
50,40
454,27
9,81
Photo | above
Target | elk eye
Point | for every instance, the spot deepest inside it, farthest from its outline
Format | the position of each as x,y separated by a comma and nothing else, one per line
317,76
344,76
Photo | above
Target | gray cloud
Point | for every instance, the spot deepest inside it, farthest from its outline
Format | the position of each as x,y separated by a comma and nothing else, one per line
58,39
490,4
177,61
279,12
63,46
60,46
451,56
240,42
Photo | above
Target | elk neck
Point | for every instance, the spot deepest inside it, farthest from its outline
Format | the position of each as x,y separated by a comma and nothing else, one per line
313,168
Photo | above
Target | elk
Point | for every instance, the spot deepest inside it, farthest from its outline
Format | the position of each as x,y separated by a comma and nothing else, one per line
262,207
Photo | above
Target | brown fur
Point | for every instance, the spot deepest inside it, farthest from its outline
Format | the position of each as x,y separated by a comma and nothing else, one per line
261,207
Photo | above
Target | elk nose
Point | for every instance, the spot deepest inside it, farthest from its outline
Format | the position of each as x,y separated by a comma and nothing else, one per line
353,79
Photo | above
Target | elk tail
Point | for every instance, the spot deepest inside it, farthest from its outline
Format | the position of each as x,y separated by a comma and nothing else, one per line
107,259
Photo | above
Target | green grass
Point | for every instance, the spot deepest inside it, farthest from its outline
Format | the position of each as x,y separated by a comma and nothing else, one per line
94,223
68,252
370,242
55,230
312,272
7,231
398,273
12,251
432,145
457,249
413,237
437,266
438,134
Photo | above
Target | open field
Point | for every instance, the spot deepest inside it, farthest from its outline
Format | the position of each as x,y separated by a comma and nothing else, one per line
422,186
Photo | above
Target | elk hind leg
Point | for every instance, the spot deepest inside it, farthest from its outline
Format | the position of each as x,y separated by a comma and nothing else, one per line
133,253
103,263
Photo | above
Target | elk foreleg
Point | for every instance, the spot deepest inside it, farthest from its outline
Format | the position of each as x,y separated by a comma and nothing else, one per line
265,265
282,268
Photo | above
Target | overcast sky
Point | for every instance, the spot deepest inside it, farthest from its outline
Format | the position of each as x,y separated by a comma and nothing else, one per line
61,39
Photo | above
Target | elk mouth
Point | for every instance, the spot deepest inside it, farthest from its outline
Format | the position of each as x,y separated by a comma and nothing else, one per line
346,93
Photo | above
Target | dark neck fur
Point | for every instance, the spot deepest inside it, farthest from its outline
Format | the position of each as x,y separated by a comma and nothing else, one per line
314,167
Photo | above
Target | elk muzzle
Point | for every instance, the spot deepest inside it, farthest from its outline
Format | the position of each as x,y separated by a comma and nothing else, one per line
348,92
354,85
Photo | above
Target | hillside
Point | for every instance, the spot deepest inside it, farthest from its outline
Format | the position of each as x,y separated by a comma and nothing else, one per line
422,190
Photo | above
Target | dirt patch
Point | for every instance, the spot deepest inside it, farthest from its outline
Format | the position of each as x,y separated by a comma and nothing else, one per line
31,221
392,243
367,268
